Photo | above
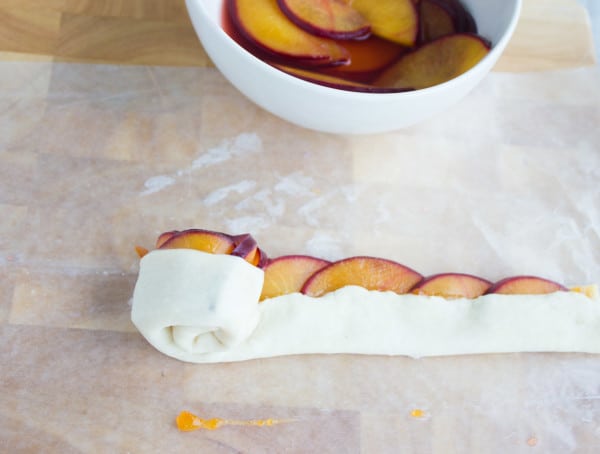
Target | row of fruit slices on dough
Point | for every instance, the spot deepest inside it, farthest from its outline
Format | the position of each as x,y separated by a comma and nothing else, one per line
315,277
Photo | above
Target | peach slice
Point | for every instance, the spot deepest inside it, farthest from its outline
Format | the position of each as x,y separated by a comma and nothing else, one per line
436,20
263,23
164,237
436,62
452,285
394,20
328,18
288,273
334,81
201,240
526,285
368,272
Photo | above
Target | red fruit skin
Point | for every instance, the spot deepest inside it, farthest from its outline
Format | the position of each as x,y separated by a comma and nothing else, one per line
245,244
263,259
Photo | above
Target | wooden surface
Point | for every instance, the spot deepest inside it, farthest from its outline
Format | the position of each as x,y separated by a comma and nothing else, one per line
158,32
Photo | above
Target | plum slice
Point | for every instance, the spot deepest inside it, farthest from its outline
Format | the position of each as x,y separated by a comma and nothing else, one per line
201,240
262,23
164,237
526,285
436,62
247,248
394,20
334,81
368,272
436,19
328,18
287,274
452,285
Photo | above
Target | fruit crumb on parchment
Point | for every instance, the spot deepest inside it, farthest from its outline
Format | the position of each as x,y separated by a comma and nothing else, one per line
187,422
417,413
532,441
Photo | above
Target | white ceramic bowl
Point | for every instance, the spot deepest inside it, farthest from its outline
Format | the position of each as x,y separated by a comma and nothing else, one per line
339,111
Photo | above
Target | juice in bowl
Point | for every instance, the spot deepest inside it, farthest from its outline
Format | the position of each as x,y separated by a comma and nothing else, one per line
324,91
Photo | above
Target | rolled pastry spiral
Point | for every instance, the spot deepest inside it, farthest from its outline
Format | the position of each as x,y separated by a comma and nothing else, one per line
189,303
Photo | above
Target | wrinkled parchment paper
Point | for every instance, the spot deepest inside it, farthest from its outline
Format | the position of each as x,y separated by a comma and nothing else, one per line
97,159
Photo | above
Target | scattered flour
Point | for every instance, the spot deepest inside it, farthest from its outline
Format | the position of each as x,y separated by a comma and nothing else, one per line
221,194
325,246
295,184
246,224
157,183
275,207
243,144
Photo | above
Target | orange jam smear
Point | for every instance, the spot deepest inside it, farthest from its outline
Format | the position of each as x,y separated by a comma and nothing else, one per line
187,422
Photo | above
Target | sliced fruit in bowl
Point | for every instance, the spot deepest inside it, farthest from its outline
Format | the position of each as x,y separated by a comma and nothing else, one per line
328,18
263,23
435,62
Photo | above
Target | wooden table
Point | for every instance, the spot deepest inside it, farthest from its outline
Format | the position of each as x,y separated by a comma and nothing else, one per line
159,32
114,127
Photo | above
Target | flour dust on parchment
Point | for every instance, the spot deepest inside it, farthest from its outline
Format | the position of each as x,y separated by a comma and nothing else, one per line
243,144
231,186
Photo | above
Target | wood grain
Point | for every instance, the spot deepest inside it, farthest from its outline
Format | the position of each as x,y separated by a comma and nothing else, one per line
550,35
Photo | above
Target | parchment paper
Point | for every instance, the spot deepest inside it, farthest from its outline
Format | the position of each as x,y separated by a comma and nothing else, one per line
96,159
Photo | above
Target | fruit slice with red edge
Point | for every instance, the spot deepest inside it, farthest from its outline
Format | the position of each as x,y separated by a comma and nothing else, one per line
436,20
334,81
328,18
436,62
394,20
452,285
263,23
526,285
287,274
247,248
201,240
368,272
164,237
